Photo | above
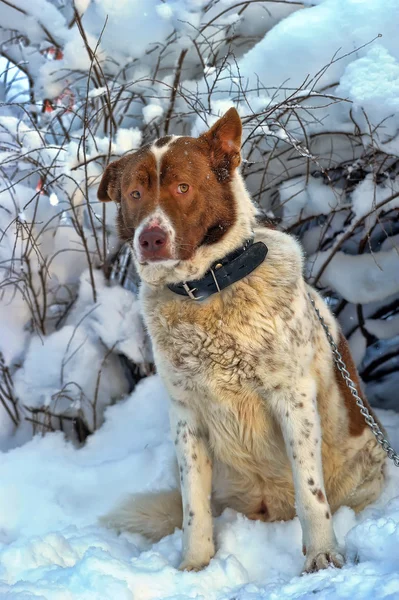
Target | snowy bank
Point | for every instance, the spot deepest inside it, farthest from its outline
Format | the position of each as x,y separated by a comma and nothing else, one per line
52,548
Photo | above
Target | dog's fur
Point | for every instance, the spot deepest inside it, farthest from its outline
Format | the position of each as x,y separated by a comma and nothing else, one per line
260,417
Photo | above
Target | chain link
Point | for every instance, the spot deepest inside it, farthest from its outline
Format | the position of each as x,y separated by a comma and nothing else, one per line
341,366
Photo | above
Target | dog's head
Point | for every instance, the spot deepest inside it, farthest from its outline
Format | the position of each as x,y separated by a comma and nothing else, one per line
183,203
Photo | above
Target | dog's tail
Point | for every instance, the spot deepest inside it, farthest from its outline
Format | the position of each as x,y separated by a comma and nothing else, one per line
153,515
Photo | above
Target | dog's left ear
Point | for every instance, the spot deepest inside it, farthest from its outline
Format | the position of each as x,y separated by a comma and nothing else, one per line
224,140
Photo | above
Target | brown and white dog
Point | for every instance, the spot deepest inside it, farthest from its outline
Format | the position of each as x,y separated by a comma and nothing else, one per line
261,419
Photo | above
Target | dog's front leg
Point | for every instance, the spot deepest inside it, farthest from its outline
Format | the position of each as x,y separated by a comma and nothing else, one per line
196,482
300,424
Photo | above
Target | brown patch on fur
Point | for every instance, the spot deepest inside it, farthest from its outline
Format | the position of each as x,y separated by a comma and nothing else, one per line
194,214
320,496
357,423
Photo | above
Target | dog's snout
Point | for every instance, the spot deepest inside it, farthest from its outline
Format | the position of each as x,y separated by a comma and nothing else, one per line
153,243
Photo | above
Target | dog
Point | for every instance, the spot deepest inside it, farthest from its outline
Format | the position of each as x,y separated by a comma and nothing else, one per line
261,418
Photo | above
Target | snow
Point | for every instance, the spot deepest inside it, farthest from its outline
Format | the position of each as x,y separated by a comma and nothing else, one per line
383,329
82,5
128,21
70,383
116,321
152,111
127,140
26,136
76,55
301,199
52,490
41,13
52,547
367,195
96,92
372,83
165,11
362,278
316,35
88,344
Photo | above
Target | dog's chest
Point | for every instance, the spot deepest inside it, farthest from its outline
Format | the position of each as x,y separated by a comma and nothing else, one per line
205,348
224,365
213,370
237,347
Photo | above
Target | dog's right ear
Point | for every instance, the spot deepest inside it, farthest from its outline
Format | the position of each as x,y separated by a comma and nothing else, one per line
110,184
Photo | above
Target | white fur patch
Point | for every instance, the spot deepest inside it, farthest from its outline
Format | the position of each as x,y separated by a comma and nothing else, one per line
159,153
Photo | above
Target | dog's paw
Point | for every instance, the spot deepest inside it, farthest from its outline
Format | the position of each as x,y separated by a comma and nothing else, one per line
196,561
190,565
322,560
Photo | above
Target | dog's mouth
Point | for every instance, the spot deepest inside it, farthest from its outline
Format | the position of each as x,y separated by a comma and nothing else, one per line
185,251
182,250
167,262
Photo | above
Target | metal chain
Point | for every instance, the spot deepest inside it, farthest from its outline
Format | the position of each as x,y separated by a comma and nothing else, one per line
341,366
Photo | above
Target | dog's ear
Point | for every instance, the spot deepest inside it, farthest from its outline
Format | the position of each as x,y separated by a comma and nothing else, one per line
224,140
110,184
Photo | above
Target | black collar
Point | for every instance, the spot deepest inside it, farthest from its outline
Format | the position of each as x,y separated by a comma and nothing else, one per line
230,269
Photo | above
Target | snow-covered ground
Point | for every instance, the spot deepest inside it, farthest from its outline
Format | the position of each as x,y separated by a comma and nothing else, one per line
52,548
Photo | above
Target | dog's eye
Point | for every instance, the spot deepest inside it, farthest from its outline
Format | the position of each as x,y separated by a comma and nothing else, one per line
135,194
183,188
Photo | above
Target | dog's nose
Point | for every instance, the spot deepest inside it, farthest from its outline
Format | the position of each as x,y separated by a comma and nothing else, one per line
153,242
152,239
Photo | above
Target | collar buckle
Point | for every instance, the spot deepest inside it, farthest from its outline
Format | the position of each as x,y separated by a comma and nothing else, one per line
190,292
